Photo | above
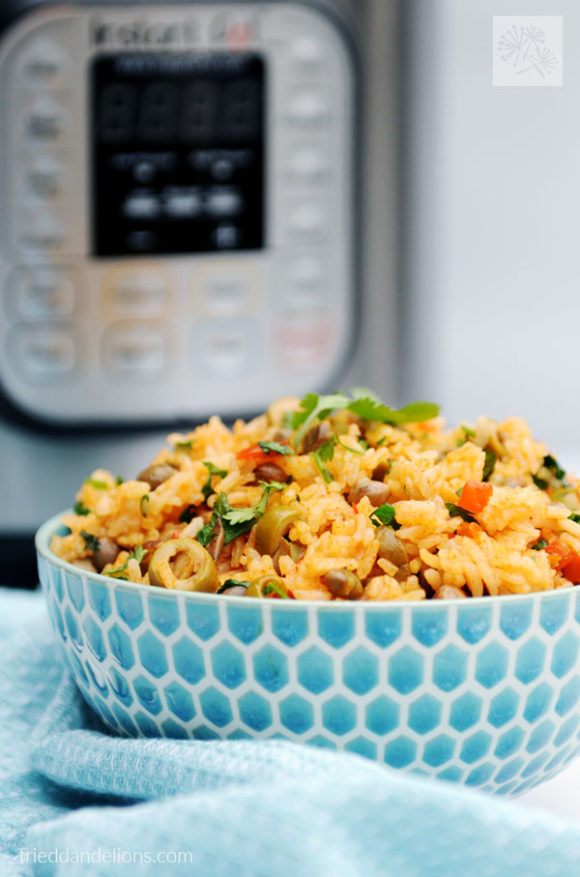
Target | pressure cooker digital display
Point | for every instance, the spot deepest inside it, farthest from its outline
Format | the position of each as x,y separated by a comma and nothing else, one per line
178,153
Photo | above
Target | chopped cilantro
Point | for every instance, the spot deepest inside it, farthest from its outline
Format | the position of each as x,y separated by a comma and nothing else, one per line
98,485
237,521
575,516
274,588
468,432
539,482
323,454
384,516
313,407
144,504
288,419
368,406
381,441
456,511
553,466
365,404
207,489
138,554
119,480
91,541
489,465
276,448
183,446
188,514
351,449
80,509
207,532
541,543
232,583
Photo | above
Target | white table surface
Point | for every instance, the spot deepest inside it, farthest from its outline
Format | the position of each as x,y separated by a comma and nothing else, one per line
559,796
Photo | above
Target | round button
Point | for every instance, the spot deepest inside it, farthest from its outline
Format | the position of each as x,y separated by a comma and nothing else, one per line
225,293
304,340
306,165
226,347
42,353
306,222
306,56
43,179
45,123
304,285
226,286
44,64
308,109
40,231
40,292
134,352
139,293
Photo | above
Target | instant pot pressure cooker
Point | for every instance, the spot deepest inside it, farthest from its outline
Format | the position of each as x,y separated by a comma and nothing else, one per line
180,228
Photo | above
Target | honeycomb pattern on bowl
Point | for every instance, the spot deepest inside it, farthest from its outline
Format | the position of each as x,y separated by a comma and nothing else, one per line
483,693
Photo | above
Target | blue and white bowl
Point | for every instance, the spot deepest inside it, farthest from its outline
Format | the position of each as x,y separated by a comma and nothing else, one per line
483,692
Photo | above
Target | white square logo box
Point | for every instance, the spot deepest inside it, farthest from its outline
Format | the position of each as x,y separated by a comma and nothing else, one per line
528,51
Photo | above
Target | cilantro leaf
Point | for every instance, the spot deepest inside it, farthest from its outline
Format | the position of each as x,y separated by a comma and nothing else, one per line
416,412
188,514
541,483
212,469
237,521
80,509
240,516
313,407
359,451
274,587
541,543
364,404
456,511
137,554
119,480
323,454
489,465
553,466
276,448
207,532
575,516
91,542
98,485
232,583
384,516
183,446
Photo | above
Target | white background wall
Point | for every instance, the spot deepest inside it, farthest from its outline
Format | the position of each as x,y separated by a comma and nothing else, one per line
492,298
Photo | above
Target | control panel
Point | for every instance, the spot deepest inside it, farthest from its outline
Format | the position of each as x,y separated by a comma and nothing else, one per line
177,234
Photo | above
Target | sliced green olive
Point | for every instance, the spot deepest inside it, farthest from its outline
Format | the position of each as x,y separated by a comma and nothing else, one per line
265,586
184,565
272,527
343,583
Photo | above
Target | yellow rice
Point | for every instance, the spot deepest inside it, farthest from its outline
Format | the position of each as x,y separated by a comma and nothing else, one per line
429,466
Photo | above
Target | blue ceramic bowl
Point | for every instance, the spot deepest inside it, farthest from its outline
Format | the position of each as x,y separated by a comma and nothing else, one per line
482,692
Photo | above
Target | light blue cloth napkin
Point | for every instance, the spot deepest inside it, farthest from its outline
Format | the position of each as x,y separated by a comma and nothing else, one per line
76,801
